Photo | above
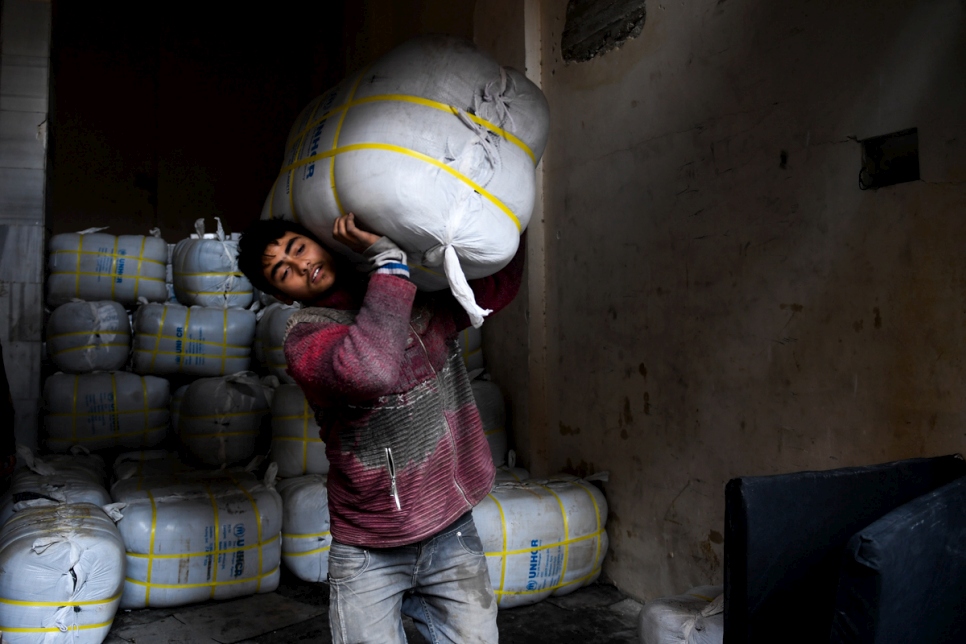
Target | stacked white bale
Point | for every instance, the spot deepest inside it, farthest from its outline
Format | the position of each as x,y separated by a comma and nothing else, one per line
89,336
105,409
305,526
57,479
168,469
175,407
437,147
61,575
197,340
194,540
296,445
219,419
96,266
140,463
490,402
696,617
471,348
205,270
542,538
507,474
269,340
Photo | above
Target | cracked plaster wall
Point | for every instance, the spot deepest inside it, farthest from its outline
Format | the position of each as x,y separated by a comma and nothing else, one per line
722,299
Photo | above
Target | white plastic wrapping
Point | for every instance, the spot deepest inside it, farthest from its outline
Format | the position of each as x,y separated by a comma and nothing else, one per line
296,445
175,408
219,419
542,538
105,409
269,340
192,541
490,402
305,526
61,574
471,348
89,336
205,270
98,266
696,617
434,145
57,479
196,340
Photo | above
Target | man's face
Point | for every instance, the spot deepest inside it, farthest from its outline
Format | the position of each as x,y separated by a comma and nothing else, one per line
298,267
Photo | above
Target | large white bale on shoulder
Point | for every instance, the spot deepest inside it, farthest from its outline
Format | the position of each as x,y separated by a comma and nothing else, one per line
492,407
542,538
197,340
305,526
61,575
198,540
433,145
269,340
296,445
205,270
98,266
219,419
105,409
696,617
89,336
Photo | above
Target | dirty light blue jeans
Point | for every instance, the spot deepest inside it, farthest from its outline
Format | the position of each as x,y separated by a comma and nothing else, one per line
441,582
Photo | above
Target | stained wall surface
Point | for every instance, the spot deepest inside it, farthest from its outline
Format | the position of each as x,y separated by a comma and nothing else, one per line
722,298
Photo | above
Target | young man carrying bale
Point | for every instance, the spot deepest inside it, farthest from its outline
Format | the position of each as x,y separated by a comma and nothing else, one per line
380,365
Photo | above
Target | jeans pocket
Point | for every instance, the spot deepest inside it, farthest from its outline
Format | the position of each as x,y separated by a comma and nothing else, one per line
346,562
470,542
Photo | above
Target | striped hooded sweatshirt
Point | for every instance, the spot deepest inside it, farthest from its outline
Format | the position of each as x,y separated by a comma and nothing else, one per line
383,372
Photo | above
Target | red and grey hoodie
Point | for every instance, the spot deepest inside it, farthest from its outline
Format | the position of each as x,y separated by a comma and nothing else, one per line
383,372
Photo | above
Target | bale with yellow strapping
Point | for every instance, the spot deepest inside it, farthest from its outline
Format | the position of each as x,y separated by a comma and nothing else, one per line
219,419
96,266
296,446
542,538
105,409
61,575
196,540
269,340
89,336
196,340
55,479
435,146
305,526
492,408
205,270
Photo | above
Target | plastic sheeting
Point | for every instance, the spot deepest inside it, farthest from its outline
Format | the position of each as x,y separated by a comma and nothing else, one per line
59,479
492,407
205,270
89,336
219,419
61,574
192,541
296,446
696,617
542,538
97,266
196,340
305,526
269,340
105,409
433,145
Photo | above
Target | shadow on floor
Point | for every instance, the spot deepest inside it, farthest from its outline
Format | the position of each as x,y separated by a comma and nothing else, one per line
298,612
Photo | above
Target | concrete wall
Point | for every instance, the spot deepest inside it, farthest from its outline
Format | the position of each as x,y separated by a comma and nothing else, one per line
722,299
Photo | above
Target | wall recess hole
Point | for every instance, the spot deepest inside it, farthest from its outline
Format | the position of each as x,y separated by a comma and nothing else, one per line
890,159
594,27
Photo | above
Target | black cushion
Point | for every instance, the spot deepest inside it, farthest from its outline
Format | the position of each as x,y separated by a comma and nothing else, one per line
785,536
904,577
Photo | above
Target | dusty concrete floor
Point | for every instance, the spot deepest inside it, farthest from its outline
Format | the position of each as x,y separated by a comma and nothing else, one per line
298,612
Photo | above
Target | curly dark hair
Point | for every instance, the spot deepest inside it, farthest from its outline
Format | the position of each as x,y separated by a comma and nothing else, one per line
254,241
